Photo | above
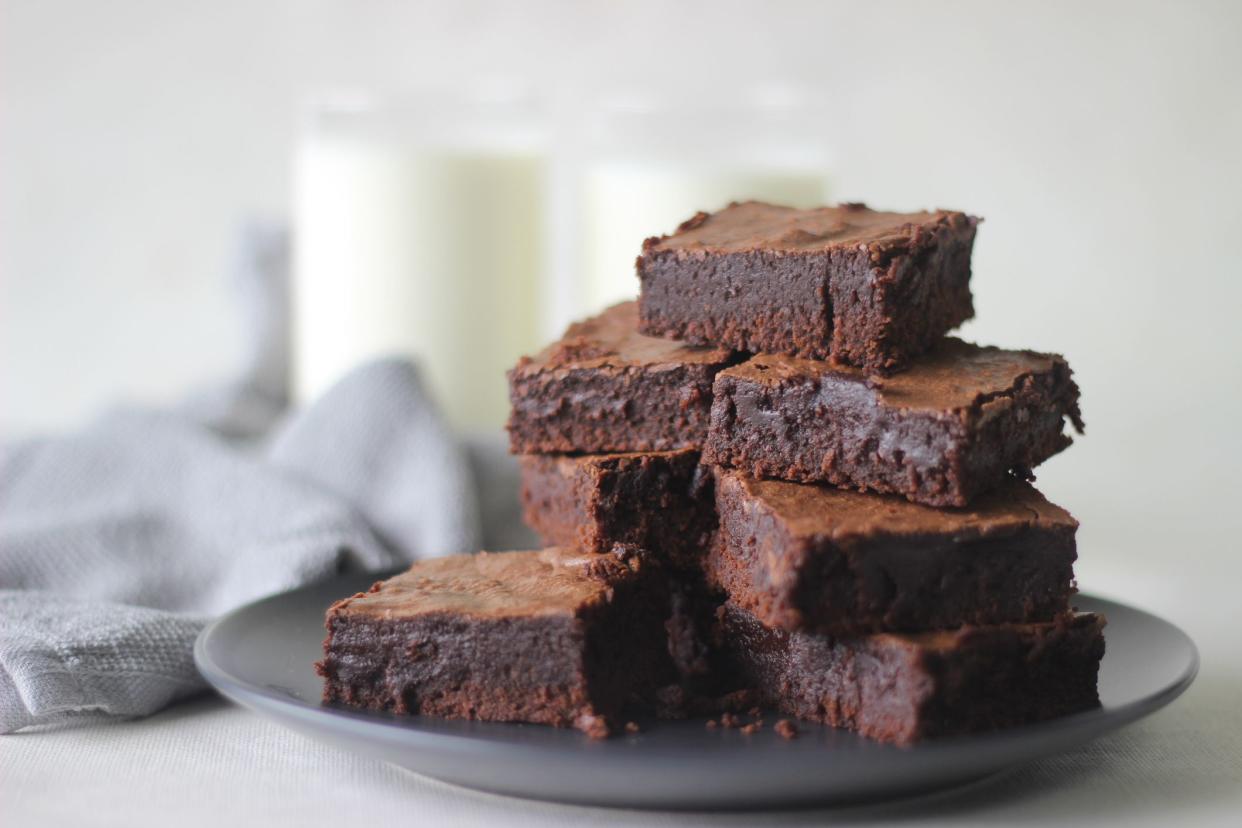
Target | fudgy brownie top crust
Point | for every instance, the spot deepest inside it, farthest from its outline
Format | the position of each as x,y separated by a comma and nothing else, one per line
754,225
552,581
955,375
813,510
612,339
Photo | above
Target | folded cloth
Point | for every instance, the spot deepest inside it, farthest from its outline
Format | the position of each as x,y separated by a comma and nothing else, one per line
119,542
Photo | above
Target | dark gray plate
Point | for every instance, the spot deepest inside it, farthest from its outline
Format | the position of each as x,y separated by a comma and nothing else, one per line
262,654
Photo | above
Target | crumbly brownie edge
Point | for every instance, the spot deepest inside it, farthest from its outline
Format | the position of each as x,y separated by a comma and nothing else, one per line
658,501
755,560
866,585
1019,430
893,689
755,301
440,665
627,657
1013,674
610,409
775,432
663,502
825,680
920,291
555,500
934,458
912,585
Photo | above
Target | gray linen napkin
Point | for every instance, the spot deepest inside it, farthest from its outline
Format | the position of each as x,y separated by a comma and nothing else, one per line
119,542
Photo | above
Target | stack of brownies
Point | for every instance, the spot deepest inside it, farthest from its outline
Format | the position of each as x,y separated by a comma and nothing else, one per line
772,482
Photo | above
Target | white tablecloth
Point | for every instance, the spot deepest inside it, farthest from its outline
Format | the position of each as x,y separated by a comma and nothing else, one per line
209,763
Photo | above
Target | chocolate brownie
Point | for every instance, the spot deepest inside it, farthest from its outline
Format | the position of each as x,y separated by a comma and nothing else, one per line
801,556
556,637
604,387
905,687
952,426
846,283
659,501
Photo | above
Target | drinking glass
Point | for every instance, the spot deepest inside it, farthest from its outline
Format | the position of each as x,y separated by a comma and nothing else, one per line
418,232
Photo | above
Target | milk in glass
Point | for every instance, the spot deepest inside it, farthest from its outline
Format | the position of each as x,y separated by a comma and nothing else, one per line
417,233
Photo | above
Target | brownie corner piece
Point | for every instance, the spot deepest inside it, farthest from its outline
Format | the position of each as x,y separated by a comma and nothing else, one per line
905,688
811,557
556,637
994,677
658,501
858,286
956,423
605,387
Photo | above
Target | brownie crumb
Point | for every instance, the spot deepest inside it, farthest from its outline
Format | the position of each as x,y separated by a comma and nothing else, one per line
753,727
738,700
754,711
608,567
712,724
729,720
632,727
595,727
787,729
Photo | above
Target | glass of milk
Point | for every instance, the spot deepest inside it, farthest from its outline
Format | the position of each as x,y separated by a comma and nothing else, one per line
418,232
653,162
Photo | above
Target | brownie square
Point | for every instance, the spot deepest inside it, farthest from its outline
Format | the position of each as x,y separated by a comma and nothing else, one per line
951,427
556,637
806,557
903,688
853,285
604,387
659,501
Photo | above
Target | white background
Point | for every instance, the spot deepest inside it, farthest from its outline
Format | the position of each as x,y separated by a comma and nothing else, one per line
1102,142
